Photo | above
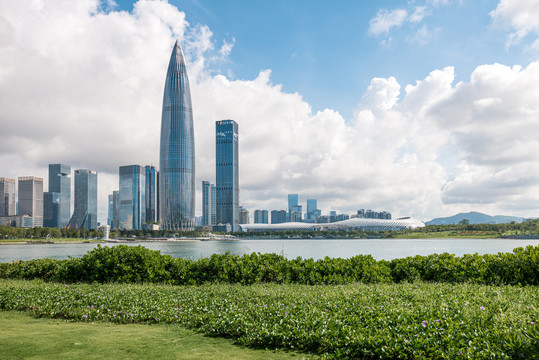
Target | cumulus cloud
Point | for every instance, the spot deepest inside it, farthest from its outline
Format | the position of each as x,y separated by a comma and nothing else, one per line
83,86
493,118
522,16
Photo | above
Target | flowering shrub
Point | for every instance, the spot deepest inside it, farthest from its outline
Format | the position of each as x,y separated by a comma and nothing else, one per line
355,321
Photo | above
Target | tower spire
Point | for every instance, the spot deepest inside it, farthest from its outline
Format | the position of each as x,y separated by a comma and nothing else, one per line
177,148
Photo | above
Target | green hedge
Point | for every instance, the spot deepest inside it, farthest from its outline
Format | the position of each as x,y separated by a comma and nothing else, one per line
137,264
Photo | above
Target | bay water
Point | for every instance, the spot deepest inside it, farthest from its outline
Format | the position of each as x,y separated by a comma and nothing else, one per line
385,249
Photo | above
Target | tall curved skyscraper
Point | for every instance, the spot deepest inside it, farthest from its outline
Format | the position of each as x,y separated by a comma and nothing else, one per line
177,153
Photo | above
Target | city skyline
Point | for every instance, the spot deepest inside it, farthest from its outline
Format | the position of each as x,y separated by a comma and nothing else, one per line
425,108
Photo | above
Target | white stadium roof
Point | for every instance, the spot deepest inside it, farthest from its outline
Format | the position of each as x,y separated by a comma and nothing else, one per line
350,224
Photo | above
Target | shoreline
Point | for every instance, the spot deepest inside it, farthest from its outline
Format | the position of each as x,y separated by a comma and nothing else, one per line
125,241
109,241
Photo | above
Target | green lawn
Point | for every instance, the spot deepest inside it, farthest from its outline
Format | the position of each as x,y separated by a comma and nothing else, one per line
25,337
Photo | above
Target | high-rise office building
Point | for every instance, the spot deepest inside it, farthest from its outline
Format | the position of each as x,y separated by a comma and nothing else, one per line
294,209
51,209
208,201
132,197
177,149
115,209
31,198
371,214
110,210
278,216
313,214
311,206
227,171
85,212
296,213
213,204
292,201
57,201
151,194
7,197
261,216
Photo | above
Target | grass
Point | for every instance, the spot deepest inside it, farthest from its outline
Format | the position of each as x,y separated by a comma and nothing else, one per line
25,337
375,321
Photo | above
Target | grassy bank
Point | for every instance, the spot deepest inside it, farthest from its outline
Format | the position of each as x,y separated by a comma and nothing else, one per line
382,321
50,240
24,337
449,235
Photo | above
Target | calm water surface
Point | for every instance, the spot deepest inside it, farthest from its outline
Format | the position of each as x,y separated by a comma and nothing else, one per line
291,248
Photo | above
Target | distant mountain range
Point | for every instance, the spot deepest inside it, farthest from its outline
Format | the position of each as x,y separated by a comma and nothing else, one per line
475,218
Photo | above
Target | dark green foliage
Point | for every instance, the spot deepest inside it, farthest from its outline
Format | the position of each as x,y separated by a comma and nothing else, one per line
137,264
519,267
125,264
31,269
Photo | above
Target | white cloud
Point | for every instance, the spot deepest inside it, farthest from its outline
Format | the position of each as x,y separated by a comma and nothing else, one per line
419,13
423,36
522,16
493,119
84,87
440,2
385,20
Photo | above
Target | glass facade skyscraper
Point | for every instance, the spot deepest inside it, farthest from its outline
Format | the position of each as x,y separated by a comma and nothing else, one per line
292,201
57,207
177,149
85,212
110,210
278,216
213,204
31,198
311,206
294,209
227,171
312,212
51,209
7,197
115,210
151,194
207,202
261,216
132,197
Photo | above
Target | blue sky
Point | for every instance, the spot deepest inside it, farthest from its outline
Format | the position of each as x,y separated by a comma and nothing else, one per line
325,52
421,108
